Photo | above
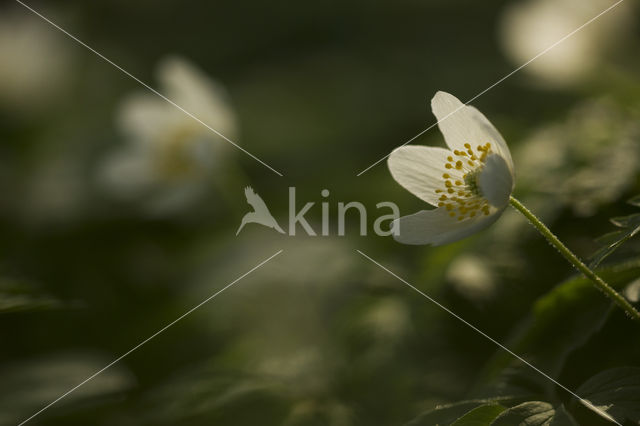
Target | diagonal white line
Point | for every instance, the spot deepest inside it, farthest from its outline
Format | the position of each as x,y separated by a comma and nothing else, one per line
545,51
145,85
482,333
149,338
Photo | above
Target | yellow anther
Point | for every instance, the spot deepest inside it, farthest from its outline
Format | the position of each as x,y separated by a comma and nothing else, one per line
458,194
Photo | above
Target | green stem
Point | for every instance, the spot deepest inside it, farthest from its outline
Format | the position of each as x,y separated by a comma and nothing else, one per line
573,259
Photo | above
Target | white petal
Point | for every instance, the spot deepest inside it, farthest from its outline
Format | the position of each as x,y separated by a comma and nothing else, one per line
193,90
495,181
436,227
462,124
500,146
145,118
419,170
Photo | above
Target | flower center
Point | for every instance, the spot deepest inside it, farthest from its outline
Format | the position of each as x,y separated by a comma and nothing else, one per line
461,194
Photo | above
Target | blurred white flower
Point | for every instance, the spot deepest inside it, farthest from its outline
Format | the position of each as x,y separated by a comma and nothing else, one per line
387,320
469,183
531,26
35,62
170,158
632,291
471,277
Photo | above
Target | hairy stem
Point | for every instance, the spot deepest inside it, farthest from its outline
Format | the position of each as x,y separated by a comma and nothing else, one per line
577,263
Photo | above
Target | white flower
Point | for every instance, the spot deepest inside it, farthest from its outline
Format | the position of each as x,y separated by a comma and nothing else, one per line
470,183
531,26
169,156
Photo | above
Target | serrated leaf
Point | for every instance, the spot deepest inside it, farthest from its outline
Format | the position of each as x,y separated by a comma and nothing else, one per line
615,391
446,414
480,416
534,413
574,310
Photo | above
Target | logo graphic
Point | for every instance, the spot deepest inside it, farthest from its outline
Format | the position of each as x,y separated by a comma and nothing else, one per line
382,226
260,213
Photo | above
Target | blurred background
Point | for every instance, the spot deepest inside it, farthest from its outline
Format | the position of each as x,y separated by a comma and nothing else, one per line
118,213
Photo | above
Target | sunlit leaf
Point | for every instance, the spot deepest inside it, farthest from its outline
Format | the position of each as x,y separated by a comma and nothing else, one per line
615,391
449,413
480,416
534,413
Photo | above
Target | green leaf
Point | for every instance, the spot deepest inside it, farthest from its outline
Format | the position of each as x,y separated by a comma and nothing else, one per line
612,241
534,413
563,418
615,391
634,201
30,384
574,310
632,220
16,296
449,413
480,416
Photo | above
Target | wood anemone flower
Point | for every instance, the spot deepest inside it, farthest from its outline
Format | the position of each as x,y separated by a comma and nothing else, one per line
469,184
